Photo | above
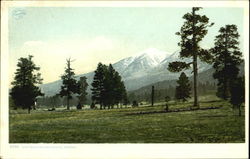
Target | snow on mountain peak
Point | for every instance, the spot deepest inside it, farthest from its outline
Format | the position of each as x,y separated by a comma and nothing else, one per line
152,55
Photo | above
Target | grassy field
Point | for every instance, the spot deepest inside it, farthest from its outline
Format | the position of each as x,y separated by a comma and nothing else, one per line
127,125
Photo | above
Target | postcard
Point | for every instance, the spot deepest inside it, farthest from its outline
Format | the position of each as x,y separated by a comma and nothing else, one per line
124,79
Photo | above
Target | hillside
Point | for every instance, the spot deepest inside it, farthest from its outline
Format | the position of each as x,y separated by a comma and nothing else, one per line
206,84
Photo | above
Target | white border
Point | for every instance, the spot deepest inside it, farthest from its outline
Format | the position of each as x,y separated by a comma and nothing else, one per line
115,150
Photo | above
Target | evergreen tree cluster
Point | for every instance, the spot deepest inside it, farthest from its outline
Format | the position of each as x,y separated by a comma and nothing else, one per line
25,89
227,59
107,87
225,55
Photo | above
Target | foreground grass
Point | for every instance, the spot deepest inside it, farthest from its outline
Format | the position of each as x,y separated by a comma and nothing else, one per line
117,126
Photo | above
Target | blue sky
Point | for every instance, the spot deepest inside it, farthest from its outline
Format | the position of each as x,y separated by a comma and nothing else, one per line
101,34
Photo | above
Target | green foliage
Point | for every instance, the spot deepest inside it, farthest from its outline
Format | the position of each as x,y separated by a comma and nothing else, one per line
11,103
183,89
177,66
108,88
25,91
82,90
227,58
192,32
167,99
135,103
98,85
237,91
69,83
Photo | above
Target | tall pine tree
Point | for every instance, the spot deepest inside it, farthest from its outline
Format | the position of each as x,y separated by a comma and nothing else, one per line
98,85
183,89
69,83
227,58
25,91
109,85
119,89
192,32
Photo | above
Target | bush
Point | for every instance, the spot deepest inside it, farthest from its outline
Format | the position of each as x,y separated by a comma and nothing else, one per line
92,106
52,109
135,103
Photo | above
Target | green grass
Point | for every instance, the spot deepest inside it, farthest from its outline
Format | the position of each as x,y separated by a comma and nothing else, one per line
117,126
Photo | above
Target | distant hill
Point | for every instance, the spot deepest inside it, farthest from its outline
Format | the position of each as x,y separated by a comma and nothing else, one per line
205,79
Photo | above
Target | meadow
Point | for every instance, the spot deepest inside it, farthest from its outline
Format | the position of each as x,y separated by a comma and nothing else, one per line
143,124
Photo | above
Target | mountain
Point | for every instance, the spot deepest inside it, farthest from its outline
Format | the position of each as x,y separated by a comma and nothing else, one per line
142,69
205,77
139,64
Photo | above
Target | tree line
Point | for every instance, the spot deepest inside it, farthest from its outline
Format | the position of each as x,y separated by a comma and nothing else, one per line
108,88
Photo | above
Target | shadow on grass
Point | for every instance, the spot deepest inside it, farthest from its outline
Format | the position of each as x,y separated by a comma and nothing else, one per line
172,111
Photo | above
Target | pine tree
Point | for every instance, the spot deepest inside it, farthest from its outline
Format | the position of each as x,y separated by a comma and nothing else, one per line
125,97
119,89
69,83
110,86
192,32
98,85
237,91
83,85
183,89
107,87
227,58
25,91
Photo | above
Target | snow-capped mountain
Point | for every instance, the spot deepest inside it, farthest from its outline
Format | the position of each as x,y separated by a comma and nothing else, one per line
140,64
142,69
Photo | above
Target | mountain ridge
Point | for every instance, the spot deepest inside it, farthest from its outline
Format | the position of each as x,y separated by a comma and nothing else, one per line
146,67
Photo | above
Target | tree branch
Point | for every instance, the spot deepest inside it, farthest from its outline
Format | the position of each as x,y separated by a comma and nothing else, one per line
178,66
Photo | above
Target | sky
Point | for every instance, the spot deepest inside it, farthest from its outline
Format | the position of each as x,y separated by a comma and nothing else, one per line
90,35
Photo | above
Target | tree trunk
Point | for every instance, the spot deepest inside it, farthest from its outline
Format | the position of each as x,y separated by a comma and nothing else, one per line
29,110
196,104
152,96
67,103
166,107
195,70
239,111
